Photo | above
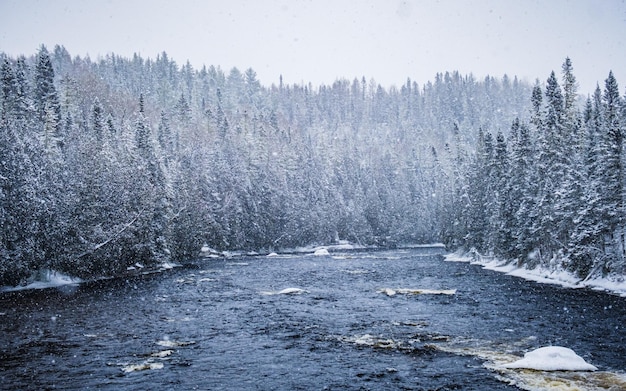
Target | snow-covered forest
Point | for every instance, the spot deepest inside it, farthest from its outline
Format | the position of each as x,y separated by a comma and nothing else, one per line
109,163
550,191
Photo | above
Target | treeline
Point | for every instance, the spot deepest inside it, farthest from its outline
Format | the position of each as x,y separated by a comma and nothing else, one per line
106,164
551,192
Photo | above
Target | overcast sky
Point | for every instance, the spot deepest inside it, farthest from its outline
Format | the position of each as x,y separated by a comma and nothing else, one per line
319,41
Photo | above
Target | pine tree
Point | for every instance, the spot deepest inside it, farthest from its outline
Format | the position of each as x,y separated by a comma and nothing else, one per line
499,202
550,169
47,100
612,169
571,165
164,135
154,190
19,207
8,91
586,243
479,192
97,122
523,190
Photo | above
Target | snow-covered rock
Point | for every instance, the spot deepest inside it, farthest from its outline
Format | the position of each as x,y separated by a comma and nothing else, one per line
388,291
320,252
551,358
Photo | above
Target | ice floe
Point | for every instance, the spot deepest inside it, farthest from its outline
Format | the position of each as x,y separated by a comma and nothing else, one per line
167,343
551,358
162,353
405,291
146,365
286,291
358,271
370,340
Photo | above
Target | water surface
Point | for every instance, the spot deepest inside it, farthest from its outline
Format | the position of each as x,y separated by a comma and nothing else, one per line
225,324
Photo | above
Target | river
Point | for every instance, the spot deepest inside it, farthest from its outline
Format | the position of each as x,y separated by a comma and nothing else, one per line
371,320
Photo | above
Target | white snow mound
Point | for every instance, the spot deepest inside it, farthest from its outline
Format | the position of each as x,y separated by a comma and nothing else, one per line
321,252
551,358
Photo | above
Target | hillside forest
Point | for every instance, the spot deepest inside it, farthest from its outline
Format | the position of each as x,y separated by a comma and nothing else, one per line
110,163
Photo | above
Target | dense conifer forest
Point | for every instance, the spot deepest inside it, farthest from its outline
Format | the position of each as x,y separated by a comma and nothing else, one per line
551,190
113,162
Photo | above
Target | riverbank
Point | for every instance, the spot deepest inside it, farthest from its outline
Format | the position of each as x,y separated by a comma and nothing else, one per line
554,275
53,279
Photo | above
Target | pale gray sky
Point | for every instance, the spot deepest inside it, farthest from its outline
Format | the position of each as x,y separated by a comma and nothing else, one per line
319,41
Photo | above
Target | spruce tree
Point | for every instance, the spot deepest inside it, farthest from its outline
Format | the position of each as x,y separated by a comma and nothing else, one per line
612,169
499,205
47,100
523,189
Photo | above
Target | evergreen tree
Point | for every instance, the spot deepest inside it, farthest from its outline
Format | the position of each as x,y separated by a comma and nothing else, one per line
612,168
522,189
550,169
585,244
19,206
47,100
500,202
478,192
571,165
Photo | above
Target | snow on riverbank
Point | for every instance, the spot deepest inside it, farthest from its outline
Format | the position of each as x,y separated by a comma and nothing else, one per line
544,275
45,279
53,279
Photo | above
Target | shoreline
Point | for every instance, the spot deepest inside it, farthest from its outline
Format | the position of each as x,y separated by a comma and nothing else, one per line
556,276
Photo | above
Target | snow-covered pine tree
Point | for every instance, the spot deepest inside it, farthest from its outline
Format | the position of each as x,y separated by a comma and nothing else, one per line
611,161
47,100
522,189
570,191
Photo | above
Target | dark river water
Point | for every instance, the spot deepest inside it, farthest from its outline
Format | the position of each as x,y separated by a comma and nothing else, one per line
241,324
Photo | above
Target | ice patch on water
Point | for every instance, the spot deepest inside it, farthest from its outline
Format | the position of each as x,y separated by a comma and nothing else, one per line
166,265
167,343
162,353
146,365
368,340
358,271
286,291
406,291
457,257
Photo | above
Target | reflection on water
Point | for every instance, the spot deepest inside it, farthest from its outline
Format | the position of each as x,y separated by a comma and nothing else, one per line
306,322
